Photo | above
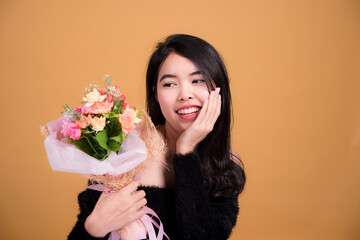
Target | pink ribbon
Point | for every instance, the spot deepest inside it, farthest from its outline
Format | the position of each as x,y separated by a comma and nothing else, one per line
147,220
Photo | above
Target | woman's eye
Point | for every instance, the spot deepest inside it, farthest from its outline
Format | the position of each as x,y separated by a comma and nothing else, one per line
168,84
198,81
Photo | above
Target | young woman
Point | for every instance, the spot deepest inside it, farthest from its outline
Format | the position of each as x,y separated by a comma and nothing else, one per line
195,192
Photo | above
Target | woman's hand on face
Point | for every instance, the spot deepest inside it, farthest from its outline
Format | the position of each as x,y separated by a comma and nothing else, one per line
116,210
202,126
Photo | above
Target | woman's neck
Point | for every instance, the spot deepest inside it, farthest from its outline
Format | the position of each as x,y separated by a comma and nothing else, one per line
170,138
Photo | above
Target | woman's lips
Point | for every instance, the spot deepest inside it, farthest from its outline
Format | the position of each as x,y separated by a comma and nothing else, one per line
189,116
188,112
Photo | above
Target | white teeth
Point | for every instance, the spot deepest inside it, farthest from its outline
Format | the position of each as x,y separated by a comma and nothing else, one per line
188,110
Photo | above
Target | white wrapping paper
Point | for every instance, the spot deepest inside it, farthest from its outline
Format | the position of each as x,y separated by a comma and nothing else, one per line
66,157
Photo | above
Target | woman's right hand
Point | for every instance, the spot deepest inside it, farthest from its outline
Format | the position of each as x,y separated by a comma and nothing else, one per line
202,126
116,210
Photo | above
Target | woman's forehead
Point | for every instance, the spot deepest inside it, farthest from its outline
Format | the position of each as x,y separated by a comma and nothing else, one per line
178,65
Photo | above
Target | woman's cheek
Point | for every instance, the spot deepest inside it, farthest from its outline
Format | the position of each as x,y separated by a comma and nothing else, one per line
162,98
165,101
204,95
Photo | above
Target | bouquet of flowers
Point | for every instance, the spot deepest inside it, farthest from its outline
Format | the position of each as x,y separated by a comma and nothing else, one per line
110,142
101,124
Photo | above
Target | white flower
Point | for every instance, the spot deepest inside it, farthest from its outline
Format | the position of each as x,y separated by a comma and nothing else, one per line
93,97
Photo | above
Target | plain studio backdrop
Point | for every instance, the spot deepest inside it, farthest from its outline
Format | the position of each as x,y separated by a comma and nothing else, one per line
295,78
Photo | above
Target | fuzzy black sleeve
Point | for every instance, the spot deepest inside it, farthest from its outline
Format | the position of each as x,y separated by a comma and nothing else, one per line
87,201
198,215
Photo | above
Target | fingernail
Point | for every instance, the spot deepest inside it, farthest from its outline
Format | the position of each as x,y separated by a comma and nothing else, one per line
217,89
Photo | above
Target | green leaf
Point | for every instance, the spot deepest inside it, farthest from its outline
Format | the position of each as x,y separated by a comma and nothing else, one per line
92,144
114,145
139,114
118,106
100,156
114,127
84,146
116,138
86,131
102,139
106,115
122,137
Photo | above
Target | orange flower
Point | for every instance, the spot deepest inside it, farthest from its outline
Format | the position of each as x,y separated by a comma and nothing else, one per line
98,123
81,124
87,119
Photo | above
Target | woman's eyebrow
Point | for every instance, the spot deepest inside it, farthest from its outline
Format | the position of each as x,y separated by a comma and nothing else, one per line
195,73
167,76
173,76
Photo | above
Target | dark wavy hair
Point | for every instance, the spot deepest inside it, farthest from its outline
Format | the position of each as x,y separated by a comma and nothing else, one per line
222,175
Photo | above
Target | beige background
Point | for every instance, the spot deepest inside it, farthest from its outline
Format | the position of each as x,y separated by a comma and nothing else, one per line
295,78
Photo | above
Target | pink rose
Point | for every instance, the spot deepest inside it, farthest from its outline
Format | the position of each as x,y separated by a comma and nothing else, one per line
125,105
110,98
101,107
71,130
127,120
102,91
78,110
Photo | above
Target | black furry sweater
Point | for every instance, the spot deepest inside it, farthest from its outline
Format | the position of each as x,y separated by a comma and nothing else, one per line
186,211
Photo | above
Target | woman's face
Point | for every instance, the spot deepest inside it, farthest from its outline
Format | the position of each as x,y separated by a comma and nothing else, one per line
181,92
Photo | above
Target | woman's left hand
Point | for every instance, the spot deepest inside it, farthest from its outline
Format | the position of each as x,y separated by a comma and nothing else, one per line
202,126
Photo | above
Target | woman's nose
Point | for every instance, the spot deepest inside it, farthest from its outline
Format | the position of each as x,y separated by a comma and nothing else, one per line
186,93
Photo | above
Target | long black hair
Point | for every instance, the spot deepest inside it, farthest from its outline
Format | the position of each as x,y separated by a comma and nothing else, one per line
222,176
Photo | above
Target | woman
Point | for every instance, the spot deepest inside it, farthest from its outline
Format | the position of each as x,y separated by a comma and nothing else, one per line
195,192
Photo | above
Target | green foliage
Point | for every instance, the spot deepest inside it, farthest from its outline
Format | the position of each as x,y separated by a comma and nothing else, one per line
83,145
115,135
113,127
100,152
90,146
114,145
102,139
70,112
100,144
116,139
108,80
118,106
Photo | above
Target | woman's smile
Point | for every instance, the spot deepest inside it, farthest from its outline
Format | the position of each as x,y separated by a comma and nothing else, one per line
188,112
